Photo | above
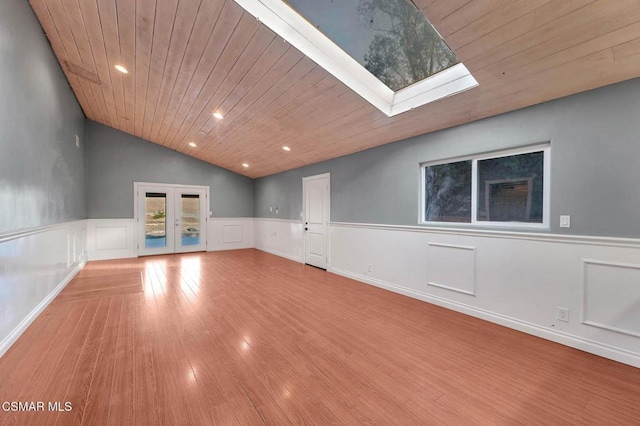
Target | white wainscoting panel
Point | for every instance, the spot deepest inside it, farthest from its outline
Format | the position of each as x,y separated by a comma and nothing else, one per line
35,265
522,278
111,239
229,233
611,296
281,237
452,267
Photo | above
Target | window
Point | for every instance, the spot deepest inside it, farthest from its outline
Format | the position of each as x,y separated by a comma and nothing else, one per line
507,188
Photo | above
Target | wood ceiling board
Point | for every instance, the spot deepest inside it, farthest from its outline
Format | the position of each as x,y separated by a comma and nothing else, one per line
195,53
126,33
237,90
79,54
77,27
88,12
247,67
289,68
183,28
223,29
468,14
145,23
50,29
189,58
441,9
626,50
493,29
304,72
523,38
243,33
165,13
105,28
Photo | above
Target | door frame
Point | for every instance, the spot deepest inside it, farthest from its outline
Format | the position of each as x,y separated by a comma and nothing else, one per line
136,212
304,215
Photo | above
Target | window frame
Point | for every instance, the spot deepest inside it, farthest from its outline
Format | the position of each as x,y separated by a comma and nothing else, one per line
544,147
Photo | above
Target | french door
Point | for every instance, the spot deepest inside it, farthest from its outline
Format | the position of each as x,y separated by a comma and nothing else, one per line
171,218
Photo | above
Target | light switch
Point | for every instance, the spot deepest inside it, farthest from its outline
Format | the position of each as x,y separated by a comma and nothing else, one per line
565,221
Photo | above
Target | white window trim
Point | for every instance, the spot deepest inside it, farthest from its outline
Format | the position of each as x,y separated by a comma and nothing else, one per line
301,34
546,187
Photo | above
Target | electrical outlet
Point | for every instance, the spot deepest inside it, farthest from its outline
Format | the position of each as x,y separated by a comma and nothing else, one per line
77,141
565,221
369,267
562,314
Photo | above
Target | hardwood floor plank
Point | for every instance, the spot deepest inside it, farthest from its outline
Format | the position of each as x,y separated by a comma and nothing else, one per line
245,337
78,389
98,402
121,407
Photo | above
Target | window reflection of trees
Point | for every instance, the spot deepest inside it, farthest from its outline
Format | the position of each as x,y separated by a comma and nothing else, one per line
448,192
406,48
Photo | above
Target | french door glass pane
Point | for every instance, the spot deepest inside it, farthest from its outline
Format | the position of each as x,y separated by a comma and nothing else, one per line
190,215
155,220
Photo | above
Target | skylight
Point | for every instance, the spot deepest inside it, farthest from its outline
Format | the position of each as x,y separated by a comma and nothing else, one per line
392,39
384,50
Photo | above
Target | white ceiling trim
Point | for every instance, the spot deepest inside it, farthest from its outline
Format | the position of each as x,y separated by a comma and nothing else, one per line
296,30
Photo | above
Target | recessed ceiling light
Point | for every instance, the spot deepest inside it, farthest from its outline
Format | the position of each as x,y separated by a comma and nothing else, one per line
286,148
122,69
218,115
245,165
193,144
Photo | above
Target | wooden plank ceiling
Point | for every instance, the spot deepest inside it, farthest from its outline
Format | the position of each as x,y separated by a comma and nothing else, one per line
190,58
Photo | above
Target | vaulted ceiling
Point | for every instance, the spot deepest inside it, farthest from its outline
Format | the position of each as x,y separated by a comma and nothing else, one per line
190,58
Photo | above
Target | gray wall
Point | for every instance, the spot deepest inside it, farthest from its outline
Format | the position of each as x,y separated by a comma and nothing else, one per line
115,160
595,165
42,177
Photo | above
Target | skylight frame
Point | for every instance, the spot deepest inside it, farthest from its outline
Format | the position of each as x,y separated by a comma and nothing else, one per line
301,34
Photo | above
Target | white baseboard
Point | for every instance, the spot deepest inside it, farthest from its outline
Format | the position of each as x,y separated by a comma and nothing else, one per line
557,336
281,254
26,322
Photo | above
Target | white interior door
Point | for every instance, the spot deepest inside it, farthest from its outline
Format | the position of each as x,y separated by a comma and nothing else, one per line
316,219
171,218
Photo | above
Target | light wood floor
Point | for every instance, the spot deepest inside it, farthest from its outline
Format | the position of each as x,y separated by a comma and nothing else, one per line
245,337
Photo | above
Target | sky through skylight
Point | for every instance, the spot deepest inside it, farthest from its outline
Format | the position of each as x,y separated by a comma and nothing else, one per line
392,39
